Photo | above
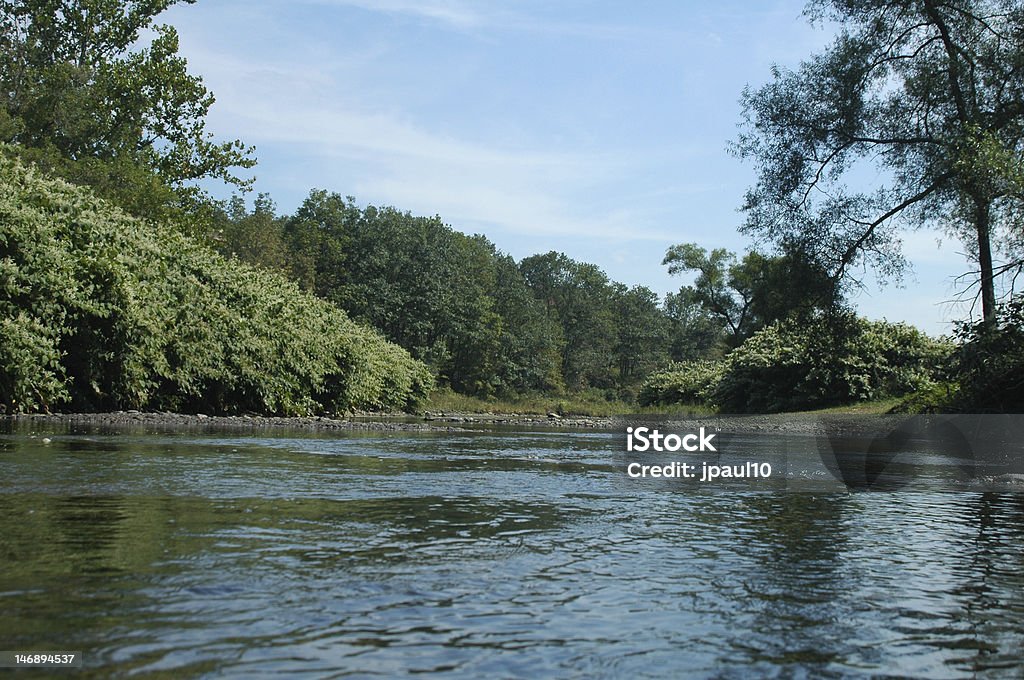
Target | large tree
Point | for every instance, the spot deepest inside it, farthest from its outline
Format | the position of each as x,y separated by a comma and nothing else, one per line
925,98
82,94
744,295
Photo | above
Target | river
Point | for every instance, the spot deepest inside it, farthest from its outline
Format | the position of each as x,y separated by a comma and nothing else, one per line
499,553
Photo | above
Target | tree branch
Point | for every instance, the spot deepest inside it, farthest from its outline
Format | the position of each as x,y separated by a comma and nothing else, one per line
951,53
851,251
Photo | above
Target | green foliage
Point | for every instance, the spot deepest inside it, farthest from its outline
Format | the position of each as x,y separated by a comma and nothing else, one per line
745,295
925,95
529,342
720,287
99,310
938,397
452,300
256,238
31,374
693,332
486,326
989,363
642,333
686,382
84,100
827,361
583,302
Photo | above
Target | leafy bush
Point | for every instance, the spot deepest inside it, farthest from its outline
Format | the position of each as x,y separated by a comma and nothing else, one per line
827,361
99,310
687,382
989,364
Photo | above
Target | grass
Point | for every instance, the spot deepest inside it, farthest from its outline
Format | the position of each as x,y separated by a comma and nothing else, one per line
594,405
585,404
876,407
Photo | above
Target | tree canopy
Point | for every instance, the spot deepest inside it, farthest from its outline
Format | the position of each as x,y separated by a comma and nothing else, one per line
85,98
928,95
744,295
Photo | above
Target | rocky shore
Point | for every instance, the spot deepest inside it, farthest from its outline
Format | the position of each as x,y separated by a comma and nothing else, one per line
367,422
794,423
244,422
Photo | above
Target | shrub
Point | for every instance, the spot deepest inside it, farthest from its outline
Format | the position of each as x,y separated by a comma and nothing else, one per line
827,361
99,310
686,382
989,364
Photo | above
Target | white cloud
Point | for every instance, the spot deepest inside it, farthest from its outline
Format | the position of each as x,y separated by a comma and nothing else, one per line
511,16
456,14
384,155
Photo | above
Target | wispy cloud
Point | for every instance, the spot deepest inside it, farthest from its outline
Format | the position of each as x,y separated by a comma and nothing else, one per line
381,156
382,153
492,15
456,14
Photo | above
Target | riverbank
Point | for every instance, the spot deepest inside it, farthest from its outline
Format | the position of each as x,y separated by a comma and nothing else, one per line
812,422
245,422
367,422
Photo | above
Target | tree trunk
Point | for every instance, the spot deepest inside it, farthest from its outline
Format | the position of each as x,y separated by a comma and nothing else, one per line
988,292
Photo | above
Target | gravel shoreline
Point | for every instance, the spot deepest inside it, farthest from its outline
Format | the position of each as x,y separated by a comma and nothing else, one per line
793,423
363,422
245,422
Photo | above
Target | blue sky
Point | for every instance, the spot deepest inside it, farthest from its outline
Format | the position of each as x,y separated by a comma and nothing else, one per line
599,129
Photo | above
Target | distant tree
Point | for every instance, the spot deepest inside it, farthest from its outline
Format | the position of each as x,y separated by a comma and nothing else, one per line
722,287
319,233
580,296
255,237
530,341
452,300
693,332
928,96
642,333
788,284
746,295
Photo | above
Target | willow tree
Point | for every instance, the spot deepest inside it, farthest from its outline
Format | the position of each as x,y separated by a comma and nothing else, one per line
913,116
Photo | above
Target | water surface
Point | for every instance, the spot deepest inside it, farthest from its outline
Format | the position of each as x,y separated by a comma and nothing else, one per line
507,554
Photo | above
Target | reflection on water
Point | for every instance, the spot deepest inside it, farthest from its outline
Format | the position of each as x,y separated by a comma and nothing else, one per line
511,554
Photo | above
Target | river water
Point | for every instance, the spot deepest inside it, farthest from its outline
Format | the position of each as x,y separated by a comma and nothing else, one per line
500,554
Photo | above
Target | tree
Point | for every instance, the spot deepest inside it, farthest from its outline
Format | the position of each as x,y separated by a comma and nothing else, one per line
318,238
693,332
580,297
746,295
530,342
642,333
929,94
721,287
256,238
434,291
83,98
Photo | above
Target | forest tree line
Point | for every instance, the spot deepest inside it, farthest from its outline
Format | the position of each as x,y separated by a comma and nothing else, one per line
926,93
491,326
